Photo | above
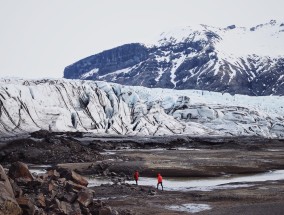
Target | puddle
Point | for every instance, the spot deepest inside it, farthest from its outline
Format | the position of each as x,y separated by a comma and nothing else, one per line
110,198
108,153
192,208
274,150
93,182
128,149
38,169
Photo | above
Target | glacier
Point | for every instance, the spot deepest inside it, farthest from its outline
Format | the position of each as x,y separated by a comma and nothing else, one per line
112,109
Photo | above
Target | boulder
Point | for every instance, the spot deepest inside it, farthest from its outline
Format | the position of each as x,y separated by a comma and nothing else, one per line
69,197
53,174
85,197
17,190
41,200
73,176
105,211
64,207
20,172
6,183
78,179
27,206
8,203
71,186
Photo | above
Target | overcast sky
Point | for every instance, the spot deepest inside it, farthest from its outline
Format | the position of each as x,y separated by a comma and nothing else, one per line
38,38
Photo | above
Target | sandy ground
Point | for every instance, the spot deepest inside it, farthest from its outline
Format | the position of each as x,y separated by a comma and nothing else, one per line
202,161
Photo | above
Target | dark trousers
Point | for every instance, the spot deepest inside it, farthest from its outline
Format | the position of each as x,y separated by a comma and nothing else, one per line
136,181
161,185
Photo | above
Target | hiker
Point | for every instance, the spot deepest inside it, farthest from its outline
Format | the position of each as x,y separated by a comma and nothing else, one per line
160,181
136,176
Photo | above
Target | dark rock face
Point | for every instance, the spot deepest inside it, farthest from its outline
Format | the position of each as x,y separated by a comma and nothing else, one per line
108,61
193,63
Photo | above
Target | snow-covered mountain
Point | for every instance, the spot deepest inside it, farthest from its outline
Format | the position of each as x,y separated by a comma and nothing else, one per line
234,59
109,108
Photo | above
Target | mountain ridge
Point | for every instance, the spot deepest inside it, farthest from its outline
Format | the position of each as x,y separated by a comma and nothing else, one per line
236,60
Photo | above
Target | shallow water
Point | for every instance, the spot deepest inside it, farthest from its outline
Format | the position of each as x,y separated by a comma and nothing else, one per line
191,208
98,181
208,184
38,169
127,149
188,184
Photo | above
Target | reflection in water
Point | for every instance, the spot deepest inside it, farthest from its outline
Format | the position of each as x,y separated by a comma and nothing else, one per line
192,208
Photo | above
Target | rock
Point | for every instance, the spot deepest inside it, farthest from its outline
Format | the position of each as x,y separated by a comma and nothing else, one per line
51,194
9,206
27,206
105,211
6,183
78,179
53,174
41,200
17,190
69,197
8,203
85,197
152,192
113,174
73,176
71,186
64,207
40,134
76,209
61,180
52,186
20,172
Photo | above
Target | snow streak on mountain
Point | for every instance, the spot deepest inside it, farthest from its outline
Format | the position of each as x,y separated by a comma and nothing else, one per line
109,108
234,59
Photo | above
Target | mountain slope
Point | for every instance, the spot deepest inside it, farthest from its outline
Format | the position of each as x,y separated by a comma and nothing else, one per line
105,108
234,59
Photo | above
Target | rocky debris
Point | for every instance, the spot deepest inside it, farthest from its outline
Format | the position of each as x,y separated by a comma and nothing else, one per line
20,172
49,149
26,204
45,134
58,191
41,134
73,176
8,203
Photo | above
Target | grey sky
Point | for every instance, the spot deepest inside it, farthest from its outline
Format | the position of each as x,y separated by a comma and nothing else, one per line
39,38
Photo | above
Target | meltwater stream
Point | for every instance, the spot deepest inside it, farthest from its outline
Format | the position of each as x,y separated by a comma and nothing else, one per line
208,184
188,184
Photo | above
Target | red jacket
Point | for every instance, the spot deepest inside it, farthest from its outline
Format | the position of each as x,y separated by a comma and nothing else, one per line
136,175
160,179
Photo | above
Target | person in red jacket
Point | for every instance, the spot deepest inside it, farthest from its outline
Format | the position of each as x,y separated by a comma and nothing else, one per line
160,181
136,176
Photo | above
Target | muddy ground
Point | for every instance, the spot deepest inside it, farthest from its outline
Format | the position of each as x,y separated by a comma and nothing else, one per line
116,158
